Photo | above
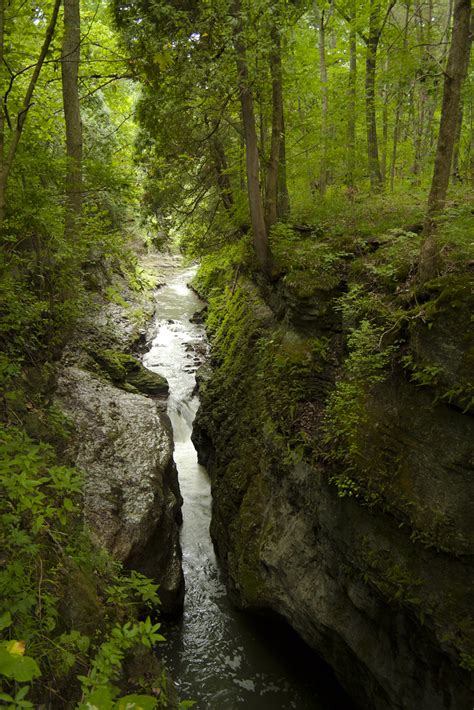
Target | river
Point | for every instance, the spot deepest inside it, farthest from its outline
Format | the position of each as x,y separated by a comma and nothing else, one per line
222,658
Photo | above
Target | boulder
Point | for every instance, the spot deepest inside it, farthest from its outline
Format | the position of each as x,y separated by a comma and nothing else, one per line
132,504
128,372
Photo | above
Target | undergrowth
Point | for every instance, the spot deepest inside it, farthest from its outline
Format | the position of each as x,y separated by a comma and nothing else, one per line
70,616
48,651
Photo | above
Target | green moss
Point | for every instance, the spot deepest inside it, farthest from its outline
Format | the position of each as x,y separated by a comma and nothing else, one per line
395,580
81,607
129,373
248,540
304,284
147,382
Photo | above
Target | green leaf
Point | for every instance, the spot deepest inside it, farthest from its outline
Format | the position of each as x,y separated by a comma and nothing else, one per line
22,693
16,667
100,699
7,698
5,620
136,702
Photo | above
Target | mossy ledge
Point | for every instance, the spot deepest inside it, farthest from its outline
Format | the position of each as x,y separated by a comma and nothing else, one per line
127,372
336,428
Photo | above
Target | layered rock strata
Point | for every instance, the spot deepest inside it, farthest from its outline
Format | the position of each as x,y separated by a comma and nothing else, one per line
367,553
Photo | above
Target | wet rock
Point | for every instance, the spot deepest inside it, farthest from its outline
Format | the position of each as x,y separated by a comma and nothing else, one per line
125,369
203,374
381,587
199,316
131,495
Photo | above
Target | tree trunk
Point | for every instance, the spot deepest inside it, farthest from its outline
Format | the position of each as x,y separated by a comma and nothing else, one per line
283,197
271,192
222,173
456,176
372,141
72,115
7,160
453,79
323,77
2,112
457,142
351,105
471,144
242,168
416,170
400,102
383,161
262,134
371,118
260,234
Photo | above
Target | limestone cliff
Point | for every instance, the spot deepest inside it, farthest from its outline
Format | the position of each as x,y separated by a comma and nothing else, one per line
123,442
124,447
337,431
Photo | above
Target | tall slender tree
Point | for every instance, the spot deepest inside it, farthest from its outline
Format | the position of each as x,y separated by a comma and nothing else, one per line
8,156
322,16
400,101
257,214
377,18
273,169
72,114
453,79
352,101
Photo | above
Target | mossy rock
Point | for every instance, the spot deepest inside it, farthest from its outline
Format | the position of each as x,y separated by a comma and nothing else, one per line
81,608
112,363
144,672
147,382
128,372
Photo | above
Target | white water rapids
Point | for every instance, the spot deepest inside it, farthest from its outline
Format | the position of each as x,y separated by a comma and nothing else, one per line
217,655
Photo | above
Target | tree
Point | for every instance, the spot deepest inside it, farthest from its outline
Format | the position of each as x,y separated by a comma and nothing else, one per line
257,215
322,17
453,79
8,156
352,100
399,99
274,183
72,115
377,20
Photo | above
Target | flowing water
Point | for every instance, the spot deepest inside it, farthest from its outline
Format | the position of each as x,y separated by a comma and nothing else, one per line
217,655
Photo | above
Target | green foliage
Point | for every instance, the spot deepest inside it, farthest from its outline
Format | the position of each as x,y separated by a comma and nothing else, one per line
455,230
215,268
421,374
393,578
14,665
135,590
311,264
467,662
39,502
346,414
262,368
43,547
107,664
114,296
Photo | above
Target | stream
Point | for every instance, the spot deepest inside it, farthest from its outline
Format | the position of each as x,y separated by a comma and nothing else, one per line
218,656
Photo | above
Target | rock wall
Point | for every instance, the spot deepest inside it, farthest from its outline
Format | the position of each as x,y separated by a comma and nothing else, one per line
366,551
123,442
124,446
